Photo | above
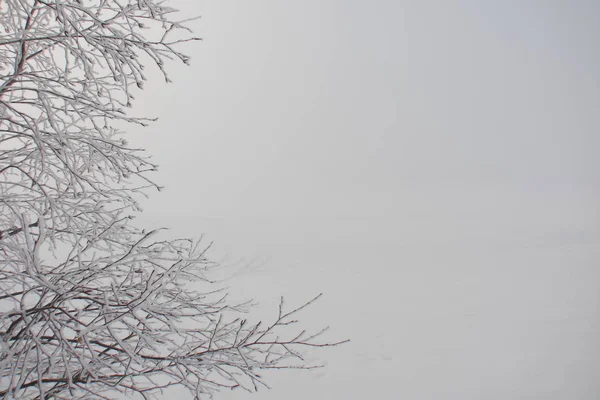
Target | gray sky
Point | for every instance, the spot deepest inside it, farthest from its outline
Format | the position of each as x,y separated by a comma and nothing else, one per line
431,166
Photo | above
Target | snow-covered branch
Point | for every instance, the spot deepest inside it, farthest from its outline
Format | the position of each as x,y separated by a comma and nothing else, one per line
91,306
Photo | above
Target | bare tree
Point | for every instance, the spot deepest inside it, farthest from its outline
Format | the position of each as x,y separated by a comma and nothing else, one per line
91,306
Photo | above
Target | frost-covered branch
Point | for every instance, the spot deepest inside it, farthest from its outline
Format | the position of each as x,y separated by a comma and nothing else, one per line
91,306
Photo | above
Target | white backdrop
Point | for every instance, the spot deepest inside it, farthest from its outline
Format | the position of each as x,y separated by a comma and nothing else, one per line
431,167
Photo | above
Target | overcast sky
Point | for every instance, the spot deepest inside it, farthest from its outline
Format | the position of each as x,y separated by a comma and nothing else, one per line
431,166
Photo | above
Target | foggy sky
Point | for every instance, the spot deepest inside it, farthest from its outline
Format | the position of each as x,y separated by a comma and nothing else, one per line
431,166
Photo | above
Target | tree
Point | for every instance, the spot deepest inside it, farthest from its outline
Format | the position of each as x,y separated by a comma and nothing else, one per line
90,305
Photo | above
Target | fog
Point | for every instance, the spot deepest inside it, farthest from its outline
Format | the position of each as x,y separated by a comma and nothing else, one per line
431,167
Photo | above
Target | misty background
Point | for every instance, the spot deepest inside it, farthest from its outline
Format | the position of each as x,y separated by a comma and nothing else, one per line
431,166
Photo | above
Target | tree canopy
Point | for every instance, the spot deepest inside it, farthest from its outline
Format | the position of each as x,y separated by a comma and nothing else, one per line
90,305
